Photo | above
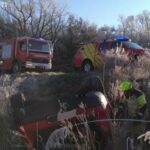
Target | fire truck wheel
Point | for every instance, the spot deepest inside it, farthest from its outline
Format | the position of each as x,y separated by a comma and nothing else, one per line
16,67
87,66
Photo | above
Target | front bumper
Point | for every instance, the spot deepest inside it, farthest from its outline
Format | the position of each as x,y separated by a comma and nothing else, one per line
32,65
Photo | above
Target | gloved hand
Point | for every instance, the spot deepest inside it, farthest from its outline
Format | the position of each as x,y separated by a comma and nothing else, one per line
146,137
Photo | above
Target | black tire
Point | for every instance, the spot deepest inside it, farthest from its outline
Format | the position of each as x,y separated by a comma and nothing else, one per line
16,68
87,66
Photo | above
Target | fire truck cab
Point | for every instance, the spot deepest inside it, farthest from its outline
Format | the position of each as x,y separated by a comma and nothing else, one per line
25,52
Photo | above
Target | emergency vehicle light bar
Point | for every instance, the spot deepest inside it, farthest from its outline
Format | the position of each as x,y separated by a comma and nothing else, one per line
120,38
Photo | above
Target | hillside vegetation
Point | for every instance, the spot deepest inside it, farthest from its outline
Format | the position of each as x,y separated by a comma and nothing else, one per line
55,85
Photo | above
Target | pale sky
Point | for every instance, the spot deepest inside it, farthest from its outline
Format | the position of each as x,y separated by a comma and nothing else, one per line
105,12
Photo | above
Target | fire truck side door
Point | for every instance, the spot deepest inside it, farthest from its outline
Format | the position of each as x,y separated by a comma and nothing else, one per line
22,51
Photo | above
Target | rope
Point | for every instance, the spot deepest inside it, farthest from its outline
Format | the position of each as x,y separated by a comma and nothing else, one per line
124,120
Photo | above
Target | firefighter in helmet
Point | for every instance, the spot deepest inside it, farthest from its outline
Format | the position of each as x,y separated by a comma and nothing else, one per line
135,100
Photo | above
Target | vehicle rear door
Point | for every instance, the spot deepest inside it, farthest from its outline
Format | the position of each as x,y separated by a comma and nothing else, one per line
96,56
102,49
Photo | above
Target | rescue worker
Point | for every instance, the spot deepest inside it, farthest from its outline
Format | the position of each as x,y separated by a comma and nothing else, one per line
145,136
135,100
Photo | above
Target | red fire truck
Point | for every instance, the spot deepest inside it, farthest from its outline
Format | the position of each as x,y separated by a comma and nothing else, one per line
25,52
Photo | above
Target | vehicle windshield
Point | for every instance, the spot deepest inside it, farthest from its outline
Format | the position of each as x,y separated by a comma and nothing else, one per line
132,45
39,46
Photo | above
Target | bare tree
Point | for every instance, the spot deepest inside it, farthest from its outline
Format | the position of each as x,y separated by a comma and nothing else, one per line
48,20
19,12
131,28
107,32
143,20
42,18
122,26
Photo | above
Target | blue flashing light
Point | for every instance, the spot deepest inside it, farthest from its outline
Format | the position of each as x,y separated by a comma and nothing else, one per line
120,38
41,39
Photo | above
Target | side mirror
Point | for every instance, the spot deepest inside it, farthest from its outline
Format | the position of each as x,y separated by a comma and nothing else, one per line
23,46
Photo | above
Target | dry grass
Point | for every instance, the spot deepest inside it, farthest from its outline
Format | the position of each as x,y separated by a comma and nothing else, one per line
139,72
51,86
8,139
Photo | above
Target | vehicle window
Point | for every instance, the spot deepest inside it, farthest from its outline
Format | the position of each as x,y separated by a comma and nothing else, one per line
23,46
6,51
104,46
114,45
132,45
38,46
